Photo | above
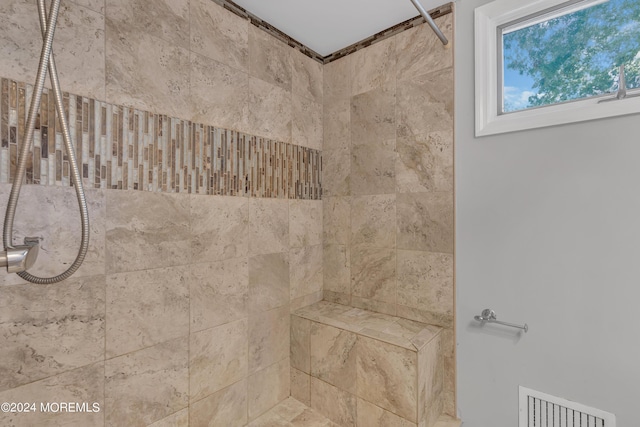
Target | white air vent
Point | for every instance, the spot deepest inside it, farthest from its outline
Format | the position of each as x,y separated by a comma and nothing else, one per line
539,409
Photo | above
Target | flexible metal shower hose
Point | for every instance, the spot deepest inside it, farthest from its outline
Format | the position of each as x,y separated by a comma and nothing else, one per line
47,61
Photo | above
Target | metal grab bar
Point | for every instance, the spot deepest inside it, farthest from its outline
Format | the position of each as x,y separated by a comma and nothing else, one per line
489,316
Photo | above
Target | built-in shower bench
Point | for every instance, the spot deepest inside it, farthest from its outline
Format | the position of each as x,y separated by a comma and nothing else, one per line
360,368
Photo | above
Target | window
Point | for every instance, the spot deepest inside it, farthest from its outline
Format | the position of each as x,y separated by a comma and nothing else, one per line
549,62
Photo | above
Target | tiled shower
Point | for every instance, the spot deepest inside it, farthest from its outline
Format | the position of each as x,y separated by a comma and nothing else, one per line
231,181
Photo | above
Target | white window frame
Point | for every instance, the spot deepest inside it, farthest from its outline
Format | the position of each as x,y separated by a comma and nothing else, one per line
488,19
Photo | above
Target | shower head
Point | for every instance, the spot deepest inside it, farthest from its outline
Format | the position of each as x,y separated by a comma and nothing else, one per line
20,258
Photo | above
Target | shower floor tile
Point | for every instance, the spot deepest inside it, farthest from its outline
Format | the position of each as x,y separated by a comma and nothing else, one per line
292,413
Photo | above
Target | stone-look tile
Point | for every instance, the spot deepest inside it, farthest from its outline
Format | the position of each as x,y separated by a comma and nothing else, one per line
423,316
179,419
425,221
373,220
425,281
336,220
306,77
425,163
219,293
322,310
84,384
268,281
373,168
336,297
218,358
420,51
373,116
333,356
374,66
366,319
305,223
307,124
269,110
269,58
425,104
336,404
148,385
95,5
269,420
146,72
33,318
226,408
301,386
268,226
268,387
78,45
449,354
306,267
169,19
51,213
448,421
387,377
145,308
336,173
289,409
337,125
373,273
430,382
374,305
219,227
337,269
219,94
337,79
219,34
146,230
269,336
305,300
370,415
300,344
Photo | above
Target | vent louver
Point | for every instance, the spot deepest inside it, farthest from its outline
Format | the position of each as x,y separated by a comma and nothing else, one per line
539,409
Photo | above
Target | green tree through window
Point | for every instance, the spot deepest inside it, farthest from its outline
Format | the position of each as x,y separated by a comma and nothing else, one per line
572,56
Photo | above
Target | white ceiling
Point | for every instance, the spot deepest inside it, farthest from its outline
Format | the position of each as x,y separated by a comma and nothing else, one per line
330,25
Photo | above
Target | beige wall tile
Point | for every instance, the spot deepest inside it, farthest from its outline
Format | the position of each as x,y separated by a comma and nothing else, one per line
78,45
227,407
219,94
336,173
148,385
333,356
337,269
374,66
337,79
301,386
423,316
337,297
95,5
374,305
219,34
268,281
307,126
219,227
145,308
146,230
269,110
425,163
337,222
337,125
300,344
268,387
305,223
373,416
84,384
269,58
373,168
52,214
219,293
373,220
373,273
430,380
146,72
387,377
425,221
179,419
305,300
218,358
269,335
373,116
336,404
169,19
305,271
425,281
268,226
306,77
34,318
425,104
420,51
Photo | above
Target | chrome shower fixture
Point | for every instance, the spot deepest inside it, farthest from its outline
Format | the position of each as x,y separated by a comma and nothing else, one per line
20,258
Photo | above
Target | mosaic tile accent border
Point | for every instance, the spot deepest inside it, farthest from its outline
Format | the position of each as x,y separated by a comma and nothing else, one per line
129,149
390,32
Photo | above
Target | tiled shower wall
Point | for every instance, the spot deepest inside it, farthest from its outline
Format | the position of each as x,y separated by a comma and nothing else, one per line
388,181
180,313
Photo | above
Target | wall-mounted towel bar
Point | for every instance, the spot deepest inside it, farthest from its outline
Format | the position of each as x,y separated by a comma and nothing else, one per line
489,316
